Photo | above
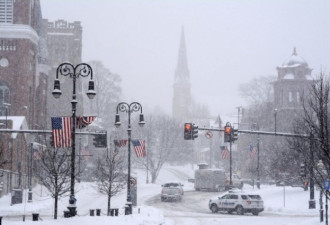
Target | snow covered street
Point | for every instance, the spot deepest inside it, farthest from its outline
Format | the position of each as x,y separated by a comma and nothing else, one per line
282,205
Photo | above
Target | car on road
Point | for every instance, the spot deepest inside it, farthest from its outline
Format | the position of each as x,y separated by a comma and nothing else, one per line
172,191
237,201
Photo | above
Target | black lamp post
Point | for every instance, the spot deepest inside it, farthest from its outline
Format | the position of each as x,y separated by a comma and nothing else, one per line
74,72
129,108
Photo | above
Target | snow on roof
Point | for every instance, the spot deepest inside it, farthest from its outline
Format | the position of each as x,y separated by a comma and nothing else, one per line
18,31
19,122
288,76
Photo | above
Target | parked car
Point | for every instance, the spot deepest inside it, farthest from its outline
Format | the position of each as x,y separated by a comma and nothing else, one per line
237,201
172,191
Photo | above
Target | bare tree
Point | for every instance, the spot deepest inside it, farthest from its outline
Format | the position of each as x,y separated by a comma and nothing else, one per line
163,135
55,173
315,121
110,177
3,160
258,91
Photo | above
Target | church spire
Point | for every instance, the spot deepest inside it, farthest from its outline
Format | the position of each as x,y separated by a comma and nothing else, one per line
181,105
182,71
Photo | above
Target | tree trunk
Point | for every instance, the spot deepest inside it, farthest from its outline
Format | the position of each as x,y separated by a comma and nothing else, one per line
56,197
109,200
55,207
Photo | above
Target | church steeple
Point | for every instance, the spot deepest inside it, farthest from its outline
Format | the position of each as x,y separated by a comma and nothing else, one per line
181,105
182,71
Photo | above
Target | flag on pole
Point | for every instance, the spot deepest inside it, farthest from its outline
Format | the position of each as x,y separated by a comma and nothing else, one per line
84,121
62,131
120,143
224,152
139,147
253,151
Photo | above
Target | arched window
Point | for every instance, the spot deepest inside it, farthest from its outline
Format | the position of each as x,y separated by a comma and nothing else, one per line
4,98
290,97
298,97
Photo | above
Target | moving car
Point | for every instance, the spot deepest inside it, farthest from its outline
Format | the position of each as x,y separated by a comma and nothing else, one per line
237,201
172,191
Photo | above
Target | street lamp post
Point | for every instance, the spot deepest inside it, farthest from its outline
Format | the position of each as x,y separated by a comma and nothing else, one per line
129,108
275,114
74,72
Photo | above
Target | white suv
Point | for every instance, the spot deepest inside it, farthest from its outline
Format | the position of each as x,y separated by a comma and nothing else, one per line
237,201
172,191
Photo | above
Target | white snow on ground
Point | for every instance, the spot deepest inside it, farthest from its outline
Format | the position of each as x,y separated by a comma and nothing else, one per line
282,205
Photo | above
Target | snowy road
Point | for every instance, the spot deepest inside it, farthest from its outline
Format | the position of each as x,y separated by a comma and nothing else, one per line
193,210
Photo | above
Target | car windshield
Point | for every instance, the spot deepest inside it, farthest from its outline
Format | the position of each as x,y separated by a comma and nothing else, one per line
171,185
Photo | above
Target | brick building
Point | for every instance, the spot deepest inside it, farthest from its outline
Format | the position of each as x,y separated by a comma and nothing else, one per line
31,48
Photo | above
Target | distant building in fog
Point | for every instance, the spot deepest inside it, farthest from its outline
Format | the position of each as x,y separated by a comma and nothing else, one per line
293,80
182,101
292,85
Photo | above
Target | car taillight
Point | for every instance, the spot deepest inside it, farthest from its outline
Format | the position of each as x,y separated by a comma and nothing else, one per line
248,202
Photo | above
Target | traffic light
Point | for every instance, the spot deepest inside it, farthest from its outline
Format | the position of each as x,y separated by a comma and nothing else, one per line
302,170
227,133
100,140
188,131
194,131
234,134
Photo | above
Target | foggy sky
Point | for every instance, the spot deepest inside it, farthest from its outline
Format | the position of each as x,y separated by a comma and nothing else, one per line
228,42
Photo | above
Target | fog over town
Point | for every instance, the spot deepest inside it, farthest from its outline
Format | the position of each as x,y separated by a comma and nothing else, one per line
164,112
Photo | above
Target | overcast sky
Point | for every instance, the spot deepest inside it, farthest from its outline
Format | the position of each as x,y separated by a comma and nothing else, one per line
228,42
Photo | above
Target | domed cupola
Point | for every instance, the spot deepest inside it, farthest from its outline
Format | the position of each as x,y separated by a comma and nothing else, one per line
295,60
294,68
293,81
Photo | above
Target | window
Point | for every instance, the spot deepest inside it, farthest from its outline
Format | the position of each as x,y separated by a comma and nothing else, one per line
233,197
255,197
244,197
6,11
4,98
290,97
298,96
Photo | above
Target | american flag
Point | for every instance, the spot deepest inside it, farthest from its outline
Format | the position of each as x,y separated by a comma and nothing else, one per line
139,147
224,152
253,151
120,143
62,131
84,121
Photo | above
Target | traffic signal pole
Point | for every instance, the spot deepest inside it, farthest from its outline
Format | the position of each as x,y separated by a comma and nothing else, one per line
311,202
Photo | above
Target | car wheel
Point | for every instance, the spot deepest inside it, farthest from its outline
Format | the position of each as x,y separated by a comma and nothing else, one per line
230,211
240,210
214,208
255,213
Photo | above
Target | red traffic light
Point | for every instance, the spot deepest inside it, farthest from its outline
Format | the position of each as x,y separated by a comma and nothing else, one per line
187,126
227,129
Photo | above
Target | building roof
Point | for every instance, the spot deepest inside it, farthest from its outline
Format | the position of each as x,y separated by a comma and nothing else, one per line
19,123
294,60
